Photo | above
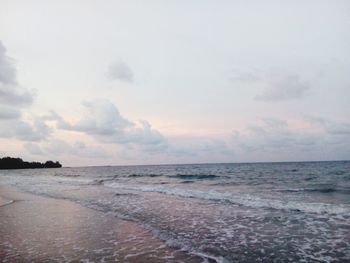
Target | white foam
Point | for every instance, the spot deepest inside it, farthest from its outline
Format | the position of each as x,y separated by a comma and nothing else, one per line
240,199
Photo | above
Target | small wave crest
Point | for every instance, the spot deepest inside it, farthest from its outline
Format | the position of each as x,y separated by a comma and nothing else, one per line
66,175
195,176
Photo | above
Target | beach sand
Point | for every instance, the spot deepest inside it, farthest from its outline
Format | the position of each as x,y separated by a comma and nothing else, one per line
40,229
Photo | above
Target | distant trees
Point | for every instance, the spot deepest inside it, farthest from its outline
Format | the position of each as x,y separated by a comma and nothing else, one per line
18,163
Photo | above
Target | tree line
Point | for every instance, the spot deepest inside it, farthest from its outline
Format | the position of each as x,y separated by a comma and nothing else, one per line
18,163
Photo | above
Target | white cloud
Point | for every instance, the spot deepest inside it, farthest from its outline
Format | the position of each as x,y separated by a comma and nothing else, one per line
7,70
13,98
10,92
103,121
24,131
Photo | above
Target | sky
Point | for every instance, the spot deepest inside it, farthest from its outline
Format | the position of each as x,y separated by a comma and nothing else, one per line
155,82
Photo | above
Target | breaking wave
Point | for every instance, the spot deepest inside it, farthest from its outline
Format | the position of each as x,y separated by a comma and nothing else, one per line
238,199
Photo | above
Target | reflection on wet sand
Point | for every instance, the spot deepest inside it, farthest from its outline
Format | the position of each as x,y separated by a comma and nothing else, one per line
36,229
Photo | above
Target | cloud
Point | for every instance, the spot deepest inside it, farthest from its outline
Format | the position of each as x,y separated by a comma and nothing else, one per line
60,122
246,75
145,134
13,99
7,70
61,148
102,118
10,92
282,87
339,129
104,121
331,127
276,134
120,71
277,85
7,113
274,139
15,95
25,131
33,149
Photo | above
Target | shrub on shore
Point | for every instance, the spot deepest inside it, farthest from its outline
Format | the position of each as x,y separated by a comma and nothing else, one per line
18,163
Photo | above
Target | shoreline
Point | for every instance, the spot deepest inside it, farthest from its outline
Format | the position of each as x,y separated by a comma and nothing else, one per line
4,201
47,229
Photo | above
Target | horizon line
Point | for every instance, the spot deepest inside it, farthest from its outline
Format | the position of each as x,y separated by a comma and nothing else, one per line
168,164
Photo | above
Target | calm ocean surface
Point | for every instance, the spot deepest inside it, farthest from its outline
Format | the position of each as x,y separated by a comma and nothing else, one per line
263,212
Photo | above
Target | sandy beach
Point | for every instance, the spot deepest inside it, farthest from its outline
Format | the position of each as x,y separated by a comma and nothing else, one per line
39,229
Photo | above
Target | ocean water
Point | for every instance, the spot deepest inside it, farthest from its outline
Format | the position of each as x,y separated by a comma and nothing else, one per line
262,212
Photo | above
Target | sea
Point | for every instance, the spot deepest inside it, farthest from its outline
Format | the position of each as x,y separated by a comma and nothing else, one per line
229,212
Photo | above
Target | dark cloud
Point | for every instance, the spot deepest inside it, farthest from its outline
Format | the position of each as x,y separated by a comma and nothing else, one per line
120,71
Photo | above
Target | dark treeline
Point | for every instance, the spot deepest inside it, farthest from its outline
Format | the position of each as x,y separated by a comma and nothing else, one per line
18,163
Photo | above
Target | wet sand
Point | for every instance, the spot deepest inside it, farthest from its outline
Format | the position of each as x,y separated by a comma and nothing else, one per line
39,229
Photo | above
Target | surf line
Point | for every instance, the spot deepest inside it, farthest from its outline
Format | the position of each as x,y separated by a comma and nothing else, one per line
7,203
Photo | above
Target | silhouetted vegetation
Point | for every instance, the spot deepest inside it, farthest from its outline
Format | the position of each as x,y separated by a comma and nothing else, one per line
18,163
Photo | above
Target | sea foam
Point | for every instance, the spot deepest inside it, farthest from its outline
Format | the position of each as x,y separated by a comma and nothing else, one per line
239,199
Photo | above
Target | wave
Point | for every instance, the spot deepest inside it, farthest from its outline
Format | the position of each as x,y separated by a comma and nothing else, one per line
195,176
319,190
238,199
67,175
187,182
338,172
144,175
